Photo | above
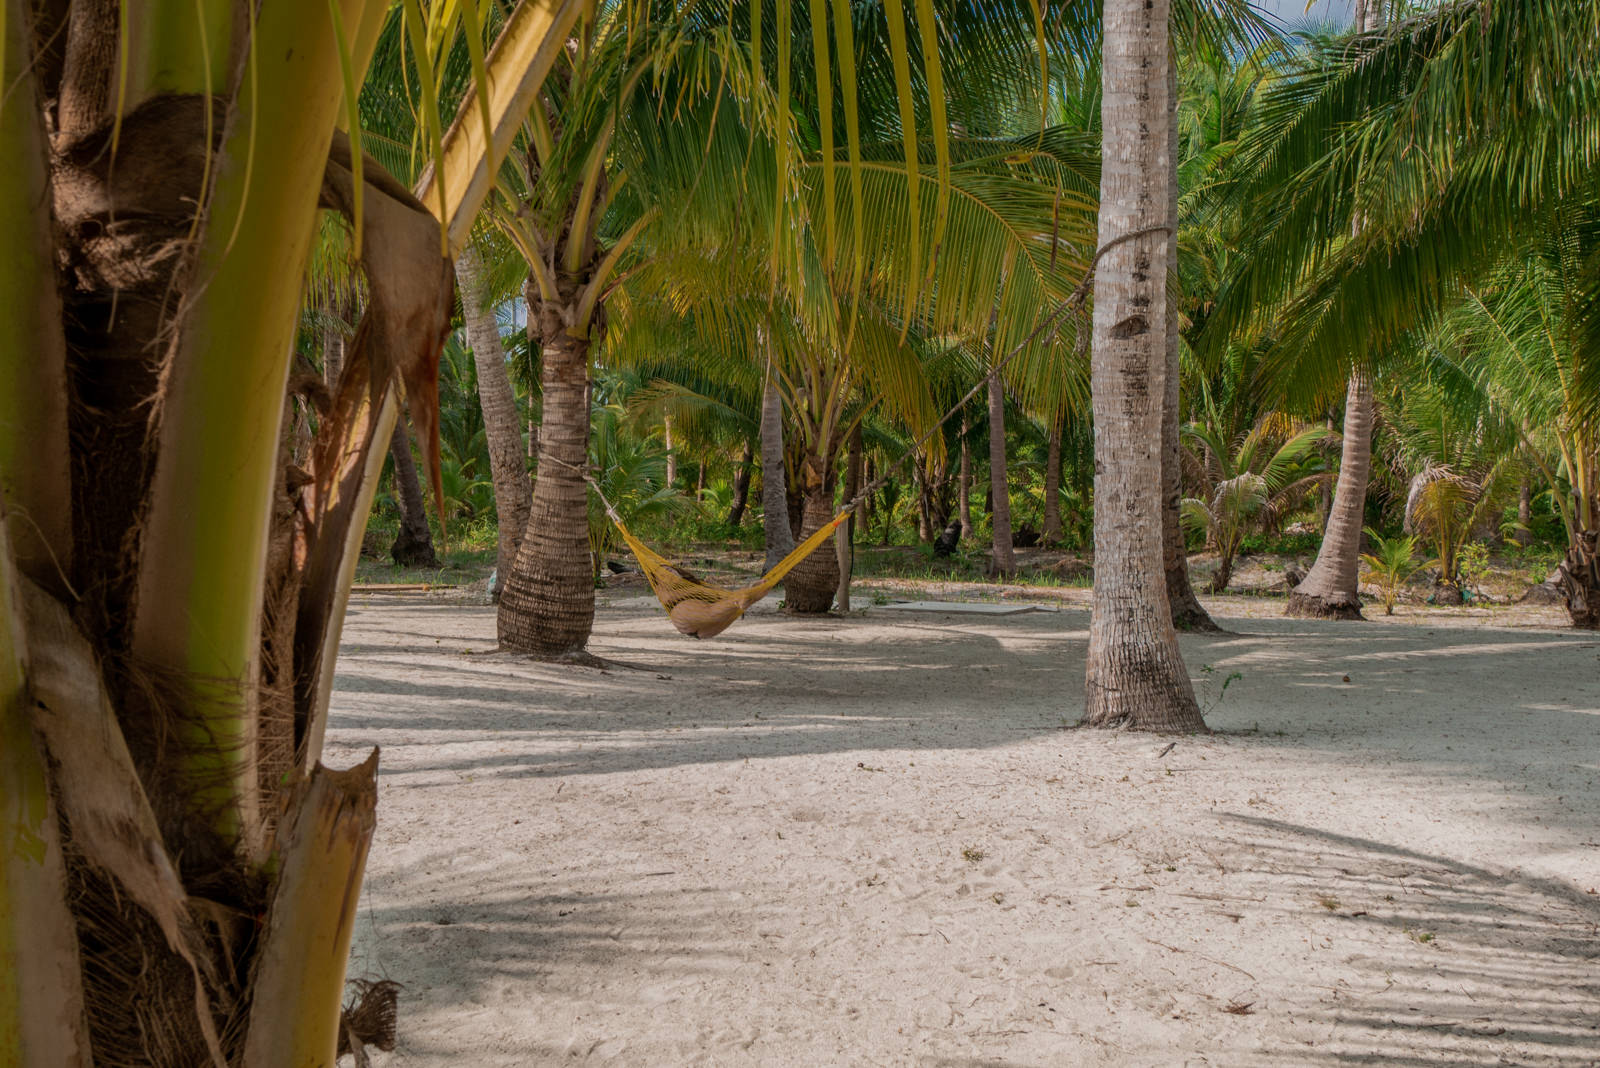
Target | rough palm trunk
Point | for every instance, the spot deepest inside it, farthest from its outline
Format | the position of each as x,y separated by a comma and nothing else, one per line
1004,561
502,423
1329,590
774,492
1135,675
1051,534
1578,579
924,501
741,486
810,587
964,485
547,606
413,546
1187,612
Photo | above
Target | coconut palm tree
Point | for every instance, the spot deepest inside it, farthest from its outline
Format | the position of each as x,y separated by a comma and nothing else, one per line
1525,338
508,467
1246,483
1135,675
170,585
1361,234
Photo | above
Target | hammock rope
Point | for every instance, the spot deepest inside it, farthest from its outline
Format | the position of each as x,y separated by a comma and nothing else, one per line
702,610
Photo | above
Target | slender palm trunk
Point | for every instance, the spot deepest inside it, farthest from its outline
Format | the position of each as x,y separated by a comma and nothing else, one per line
741,486
1523,535
672,454
1005,559
774,492
1187,611
413,546
844,538
547,606
924,500
502,423
964,483
1051,534
1329,590
1135,675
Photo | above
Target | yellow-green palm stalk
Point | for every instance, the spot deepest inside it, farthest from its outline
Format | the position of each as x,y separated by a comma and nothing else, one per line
180,579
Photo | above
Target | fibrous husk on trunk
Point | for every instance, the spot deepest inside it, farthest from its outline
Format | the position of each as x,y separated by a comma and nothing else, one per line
1579,580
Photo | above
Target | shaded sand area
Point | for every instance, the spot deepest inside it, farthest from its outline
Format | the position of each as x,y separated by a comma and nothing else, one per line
869,841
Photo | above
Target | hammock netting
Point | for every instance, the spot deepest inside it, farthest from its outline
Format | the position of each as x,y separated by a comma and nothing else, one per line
700,609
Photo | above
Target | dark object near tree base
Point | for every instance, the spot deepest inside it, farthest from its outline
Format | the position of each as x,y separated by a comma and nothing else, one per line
1305,606
1293,575
1026,538
617,567
409,550
1448,593
945,544
369,1020
1546,592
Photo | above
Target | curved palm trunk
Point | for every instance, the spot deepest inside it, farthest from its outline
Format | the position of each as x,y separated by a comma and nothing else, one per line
1187,612
1135,675
774,492
1005,559
1329,590
502,424
413,546
547,605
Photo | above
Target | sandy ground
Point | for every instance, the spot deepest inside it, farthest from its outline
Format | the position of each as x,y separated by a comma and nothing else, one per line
870,841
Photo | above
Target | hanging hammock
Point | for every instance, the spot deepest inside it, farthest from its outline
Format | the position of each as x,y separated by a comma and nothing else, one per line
702,610
696,607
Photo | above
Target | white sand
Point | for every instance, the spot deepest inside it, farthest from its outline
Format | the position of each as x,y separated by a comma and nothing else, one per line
750,852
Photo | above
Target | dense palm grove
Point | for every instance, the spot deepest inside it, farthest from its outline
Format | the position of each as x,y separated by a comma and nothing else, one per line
966,267
1470,375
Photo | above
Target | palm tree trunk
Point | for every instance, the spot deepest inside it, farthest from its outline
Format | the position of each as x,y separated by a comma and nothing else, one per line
1578,579
924,501
844,541
774,493
1004,561
741,486
1187,611
413,546
1135,675
810,587
1524,532
964,485
1329,590
547,607
672,455
1051,534
502,423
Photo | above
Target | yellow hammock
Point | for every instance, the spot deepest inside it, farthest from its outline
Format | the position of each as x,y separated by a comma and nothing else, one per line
699,609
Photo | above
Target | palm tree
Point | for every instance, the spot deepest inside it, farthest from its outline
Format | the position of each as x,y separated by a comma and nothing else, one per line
170,588
1391,565
1135,675
1360,234
1525,339
1244,486
513,493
